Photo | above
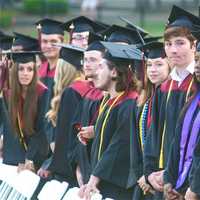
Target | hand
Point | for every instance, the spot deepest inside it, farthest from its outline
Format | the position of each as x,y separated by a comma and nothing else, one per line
156,180
197,69
191,195
79,176
145,186
29,165
170,193
43,173
20,167
85,134
86,191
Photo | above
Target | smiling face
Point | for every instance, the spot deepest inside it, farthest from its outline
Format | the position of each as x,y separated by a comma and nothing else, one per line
179,51
50,51
92,60
26,73
157,70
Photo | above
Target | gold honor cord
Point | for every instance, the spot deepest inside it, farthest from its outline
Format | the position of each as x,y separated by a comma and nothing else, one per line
161,160
101,109
21,135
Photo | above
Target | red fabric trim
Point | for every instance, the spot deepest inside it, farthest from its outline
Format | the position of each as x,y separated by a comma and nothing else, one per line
43,71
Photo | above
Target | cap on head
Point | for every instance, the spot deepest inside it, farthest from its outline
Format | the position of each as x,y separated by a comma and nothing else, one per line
50,26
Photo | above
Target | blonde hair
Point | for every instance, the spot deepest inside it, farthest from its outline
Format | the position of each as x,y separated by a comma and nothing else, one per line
64,75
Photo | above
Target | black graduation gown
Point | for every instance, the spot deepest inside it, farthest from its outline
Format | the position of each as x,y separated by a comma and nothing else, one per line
194,178
171,171
161,114
13,151
164,113
86,115
47,77
138,193
119,165
64,162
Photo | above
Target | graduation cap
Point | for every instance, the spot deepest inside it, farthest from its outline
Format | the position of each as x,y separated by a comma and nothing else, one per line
83,24
152,38
154,50
6,42
182,18
50,26
23,56
129,24
1,34
118,33
72,54
96,46
121,53
28,43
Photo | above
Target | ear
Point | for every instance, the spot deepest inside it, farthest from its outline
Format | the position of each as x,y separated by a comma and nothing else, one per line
114,73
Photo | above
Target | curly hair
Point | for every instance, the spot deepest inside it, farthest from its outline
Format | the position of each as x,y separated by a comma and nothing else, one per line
64,75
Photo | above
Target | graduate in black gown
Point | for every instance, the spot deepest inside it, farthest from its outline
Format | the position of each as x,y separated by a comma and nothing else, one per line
87,112
113,174
156,71
176,176
169,99
24,139
182,171
50,32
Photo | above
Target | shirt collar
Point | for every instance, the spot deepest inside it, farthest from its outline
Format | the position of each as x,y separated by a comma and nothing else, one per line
181,76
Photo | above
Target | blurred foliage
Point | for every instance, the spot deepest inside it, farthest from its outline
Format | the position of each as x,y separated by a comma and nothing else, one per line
46,6
6,17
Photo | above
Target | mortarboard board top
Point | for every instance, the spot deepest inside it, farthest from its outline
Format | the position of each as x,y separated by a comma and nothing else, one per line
50,26
72,54
6,42
154,50
118,33
23,56
83,24
121,52
28,43
182,18
129,24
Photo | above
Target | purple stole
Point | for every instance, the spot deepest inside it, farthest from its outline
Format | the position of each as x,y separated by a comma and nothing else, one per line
186,152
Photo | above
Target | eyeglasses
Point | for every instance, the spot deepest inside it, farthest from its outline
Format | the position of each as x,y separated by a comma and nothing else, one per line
80,37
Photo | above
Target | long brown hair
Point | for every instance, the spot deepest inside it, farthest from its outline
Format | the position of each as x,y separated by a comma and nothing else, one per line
147,91
27,106
126,79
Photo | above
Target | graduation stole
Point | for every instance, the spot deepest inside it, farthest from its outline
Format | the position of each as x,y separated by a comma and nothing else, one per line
188,140
21,134
102,107
142,121
161,160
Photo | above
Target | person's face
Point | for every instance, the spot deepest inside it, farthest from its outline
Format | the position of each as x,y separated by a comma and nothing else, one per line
80,39
104,76
50,51
157,70
179,51
91,63
197,66
26,73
